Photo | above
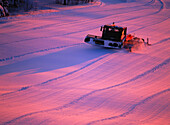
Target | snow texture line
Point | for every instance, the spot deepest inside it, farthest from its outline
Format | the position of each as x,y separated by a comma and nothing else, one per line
132,108
148,25
44,37
162,41
160,9
57,78
102,89
38,51
152,1
162,6
50,25
70,73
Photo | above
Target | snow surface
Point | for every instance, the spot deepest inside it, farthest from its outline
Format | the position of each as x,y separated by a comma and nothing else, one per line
48,75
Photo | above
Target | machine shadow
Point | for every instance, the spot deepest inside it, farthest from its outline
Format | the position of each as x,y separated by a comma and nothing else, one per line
65,58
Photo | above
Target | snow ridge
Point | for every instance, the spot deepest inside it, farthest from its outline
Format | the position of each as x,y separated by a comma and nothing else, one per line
133,107
102,89
152,1
50,80
162,6
76,70
162,41
35,38
38,51
149,25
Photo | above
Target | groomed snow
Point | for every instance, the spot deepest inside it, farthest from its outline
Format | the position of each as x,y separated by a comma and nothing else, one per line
49,76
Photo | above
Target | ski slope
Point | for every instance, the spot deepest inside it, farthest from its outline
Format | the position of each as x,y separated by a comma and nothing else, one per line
49,76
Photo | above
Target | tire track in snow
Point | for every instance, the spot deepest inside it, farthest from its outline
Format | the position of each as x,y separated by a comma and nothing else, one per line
35,38
102,89
133,107
152,1
50,25
149,25
70,73
162,5
125,8
38,51
160,9
162,41
54,79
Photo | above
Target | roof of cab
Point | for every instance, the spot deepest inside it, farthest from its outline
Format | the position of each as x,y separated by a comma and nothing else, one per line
114,26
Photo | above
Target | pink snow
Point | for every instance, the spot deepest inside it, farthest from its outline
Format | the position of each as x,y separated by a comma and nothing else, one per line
49,75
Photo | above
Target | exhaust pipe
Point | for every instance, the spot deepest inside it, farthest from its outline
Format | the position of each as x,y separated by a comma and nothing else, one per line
148,42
